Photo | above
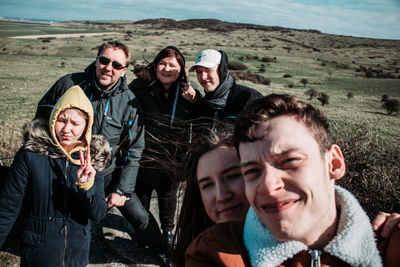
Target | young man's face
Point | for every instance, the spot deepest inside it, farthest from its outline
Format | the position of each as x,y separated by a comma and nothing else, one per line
107,74
289,184
208,78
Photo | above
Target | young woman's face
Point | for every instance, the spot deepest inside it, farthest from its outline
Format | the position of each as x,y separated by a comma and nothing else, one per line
221,185
167,71
69,127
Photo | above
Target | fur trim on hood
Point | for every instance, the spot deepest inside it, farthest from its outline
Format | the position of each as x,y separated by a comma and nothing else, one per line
37,139
144,73
74,97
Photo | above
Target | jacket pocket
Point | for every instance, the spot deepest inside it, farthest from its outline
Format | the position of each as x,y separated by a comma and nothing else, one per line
31,238
30,247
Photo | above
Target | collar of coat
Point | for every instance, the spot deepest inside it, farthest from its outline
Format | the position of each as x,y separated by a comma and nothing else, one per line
217,99
353,243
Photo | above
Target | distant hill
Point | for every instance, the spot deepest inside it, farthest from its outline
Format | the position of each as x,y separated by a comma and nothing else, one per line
213,25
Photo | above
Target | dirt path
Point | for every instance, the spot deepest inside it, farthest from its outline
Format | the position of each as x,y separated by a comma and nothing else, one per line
66,35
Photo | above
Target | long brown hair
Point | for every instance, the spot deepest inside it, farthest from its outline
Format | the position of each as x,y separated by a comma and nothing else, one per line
193,218
169,51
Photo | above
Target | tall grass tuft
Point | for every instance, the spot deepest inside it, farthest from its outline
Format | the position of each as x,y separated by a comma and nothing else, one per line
10,142
372,167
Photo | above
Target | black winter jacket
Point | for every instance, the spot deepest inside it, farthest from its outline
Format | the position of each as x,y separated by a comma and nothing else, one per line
116,117
165,131
56,214
228,99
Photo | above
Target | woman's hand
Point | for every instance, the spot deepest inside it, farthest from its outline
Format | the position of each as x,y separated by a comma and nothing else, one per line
188,92
384,223
86,172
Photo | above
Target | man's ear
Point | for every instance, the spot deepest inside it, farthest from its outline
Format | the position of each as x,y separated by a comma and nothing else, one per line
123,73
336,164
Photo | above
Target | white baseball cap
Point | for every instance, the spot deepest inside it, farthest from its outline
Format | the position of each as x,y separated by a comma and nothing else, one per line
207,58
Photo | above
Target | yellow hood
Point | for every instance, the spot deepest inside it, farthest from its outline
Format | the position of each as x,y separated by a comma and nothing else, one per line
74,97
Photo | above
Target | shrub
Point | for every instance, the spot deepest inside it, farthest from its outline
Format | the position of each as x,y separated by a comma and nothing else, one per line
372,167
268,59
391,106
311,93
287,75
323,98
290,85
234,65
304,81
248,57
349,95
384,97
255,78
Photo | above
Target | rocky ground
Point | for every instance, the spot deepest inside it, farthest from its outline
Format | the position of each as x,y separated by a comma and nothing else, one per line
112,245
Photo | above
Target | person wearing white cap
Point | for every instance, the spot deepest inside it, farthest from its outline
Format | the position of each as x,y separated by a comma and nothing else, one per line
223,98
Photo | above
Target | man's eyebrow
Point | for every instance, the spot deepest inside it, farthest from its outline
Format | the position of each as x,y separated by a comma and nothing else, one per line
282,153
247,163
230,168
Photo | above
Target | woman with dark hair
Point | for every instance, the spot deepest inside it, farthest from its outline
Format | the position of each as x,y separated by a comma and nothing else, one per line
160,88
214,193
214,188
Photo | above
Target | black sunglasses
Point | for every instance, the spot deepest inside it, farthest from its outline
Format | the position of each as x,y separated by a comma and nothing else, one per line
115,64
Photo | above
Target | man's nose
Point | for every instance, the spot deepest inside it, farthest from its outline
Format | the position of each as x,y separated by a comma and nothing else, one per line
109,66
272,181
204,75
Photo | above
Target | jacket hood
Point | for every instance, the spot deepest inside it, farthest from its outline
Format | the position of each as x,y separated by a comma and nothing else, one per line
37,139
145,74
223,66
74,97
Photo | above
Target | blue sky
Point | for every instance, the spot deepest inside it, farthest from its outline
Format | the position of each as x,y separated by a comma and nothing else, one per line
363,18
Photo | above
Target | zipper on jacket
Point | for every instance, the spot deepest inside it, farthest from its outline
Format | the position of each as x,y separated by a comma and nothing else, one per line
315,258
65,209
65,243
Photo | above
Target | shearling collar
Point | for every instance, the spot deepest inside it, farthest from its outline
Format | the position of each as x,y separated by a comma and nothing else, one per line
353,243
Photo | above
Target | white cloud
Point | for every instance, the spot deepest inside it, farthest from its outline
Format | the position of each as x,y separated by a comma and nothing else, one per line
370,18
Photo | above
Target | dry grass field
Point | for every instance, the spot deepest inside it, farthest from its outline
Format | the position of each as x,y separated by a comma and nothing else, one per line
353,72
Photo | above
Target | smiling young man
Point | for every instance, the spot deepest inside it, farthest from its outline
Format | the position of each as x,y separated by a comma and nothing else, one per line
297,216
224,99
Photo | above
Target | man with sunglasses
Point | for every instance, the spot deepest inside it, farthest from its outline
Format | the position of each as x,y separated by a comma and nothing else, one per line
117,118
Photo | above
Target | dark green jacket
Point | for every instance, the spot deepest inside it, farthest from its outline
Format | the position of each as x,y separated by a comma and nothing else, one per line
116,117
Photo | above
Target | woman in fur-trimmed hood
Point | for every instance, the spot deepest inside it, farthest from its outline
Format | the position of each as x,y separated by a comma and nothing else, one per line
56,183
